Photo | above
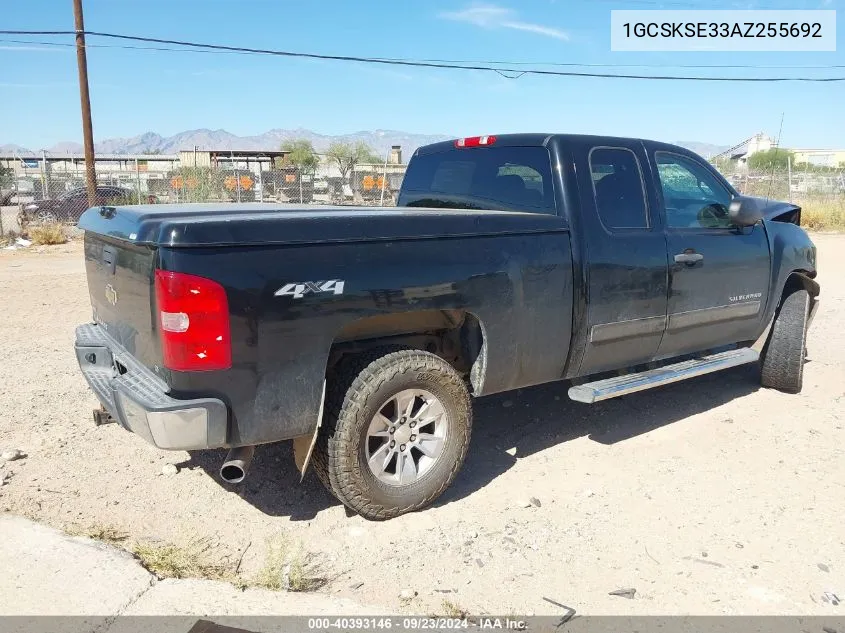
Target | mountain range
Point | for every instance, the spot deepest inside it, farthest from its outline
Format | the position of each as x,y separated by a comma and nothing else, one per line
205,139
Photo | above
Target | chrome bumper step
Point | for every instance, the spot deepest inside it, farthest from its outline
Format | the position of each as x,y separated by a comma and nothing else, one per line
630,383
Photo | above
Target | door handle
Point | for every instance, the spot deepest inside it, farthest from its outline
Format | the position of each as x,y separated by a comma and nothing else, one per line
688,258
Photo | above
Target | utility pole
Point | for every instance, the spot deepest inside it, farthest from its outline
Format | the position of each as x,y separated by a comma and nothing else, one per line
789,168
85,100
45,187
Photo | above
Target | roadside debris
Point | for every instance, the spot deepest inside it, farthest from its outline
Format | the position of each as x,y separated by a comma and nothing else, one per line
650,556
623,593
356,585
168,470
570,612
535,502
832,598
241,558
407,594
703,561
19,243
11,455
507,404
823,567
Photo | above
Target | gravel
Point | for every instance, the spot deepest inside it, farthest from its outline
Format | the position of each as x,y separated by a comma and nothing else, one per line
671,480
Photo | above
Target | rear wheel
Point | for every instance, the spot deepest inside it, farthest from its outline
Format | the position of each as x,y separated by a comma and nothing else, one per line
396,431
783,356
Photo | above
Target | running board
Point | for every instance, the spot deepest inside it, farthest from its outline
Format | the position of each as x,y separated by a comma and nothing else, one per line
590,392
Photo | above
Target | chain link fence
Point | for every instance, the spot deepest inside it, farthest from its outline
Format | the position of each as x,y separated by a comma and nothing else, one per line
820,192
786,185
367,185
51,187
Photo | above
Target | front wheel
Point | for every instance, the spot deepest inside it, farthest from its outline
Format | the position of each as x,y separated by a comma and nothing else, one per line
396,431
783,356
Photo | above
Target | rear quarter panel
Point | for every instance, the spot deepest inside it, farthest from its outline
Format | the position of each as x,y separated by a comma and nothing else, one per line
519,286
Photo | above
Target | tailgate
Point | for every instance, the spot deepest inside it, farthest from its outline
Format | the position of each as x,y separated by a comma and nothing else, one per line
120,286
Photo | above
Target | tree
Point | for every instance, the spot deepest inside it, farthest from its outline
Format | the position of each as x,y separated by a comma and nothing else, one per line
772,158
300,153
347,155
724,164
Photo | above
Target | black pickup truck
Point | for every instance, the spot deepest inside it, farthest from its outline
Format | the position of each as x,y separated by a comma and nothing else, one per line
359,333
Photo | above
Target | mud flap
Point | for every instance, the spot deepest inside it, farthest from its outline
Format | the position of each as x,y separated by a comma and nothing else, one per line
303,445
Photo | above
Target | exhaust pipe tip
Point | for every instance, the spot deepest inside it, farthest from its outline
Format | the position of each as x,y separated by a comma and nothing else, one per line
232,473
236,464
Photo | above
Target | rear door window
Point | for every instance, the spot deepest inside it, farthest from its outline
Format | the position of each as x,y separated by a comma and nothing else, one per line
504,178
618,188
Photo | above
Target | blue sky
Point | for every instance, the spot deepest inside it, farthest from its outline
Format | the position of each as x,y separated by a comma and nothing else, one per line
135,91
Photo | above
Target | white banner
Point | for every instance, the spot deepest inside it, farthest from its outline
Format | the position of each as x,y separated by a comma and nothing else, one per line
723,30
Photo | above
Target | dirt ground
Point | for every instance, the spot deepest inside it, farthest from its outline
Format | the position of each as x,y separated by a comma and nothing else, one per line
711,496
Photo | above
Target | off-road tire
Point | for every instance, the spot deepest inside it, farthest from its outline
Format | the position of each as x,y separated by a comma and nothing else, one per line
783,356
357,388
338,382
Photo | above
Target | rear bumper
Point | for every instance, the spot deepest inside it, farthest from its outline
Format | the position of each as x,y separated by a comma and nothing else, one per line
138,399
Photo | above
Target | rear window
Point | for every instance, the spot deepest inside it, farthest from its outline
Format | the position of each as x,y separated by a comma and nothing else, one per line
505,178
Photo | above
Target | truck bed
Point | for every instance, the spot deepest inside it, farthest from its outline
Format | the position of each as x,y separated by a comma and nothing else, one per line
185,225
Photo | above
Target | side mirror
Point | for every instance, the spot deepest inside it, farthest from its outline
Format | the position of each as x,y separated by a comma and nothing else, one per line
745,211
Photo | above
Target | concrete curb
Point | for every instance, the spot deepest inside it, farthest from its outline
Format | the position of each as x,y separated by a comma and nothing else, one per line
49,573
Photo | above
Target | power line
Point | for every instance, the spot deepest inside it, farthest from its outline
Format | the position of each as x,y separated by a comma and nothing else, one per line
124,47
516,72
596,65
456,61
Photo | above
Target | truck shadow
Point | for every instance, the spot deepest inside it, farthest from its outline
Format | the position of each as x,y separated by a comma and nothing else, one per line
529,420
534,419
272,484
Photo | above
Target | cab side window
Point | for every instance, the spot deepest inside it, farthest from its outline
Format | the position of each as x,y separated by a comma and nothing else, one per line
693,196
618,188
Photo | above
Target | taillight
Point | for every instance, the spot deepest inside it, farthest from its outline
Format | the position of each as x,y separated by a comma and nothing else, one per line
194,321
475,141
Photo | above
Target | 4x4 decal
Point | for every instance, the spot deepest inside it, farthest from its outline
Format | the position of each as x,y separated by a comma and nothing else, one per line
299,289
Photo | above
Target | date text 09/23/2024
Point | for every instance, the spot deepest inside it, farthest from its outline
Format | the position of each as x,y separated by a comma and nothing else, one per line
413,623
